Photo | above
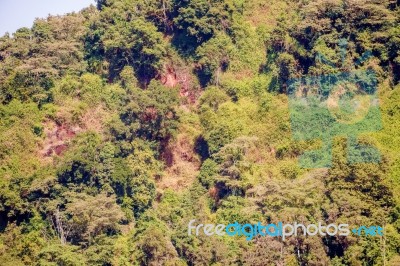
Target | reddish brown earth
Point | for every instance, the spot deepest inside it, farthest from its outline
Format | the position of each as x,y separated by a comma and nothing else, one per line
181,77
182,164
57,137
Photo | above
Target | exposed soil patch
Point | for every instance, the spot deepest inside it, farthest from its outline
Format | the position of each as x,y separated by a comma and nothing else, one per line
57,137
182,77
58,134
169,77
182,164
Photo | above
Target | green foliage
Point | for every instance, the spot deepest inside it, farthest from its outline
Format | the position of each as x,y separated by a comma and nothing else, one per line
150,114
208,173
198,21
214,57
233,164
361,186
120,124
124,39
56,254
127,77
90,216
213,98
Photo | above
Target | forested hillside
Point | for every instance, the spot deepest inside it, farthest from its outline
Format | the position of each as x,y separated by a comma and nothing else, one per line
121,123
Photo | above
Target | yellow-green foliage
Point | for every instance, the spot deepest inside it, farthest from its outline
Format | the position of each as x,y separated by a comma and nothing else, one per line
97,85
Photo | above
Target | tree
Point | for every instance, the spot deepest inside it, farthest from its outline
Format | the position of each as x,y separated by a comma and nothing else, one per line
125,39
151,114
90,216
198,21
214,57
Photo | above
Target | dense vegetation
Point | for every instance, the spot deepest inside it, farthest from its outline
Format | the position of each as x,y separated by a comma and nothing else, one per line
121,123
